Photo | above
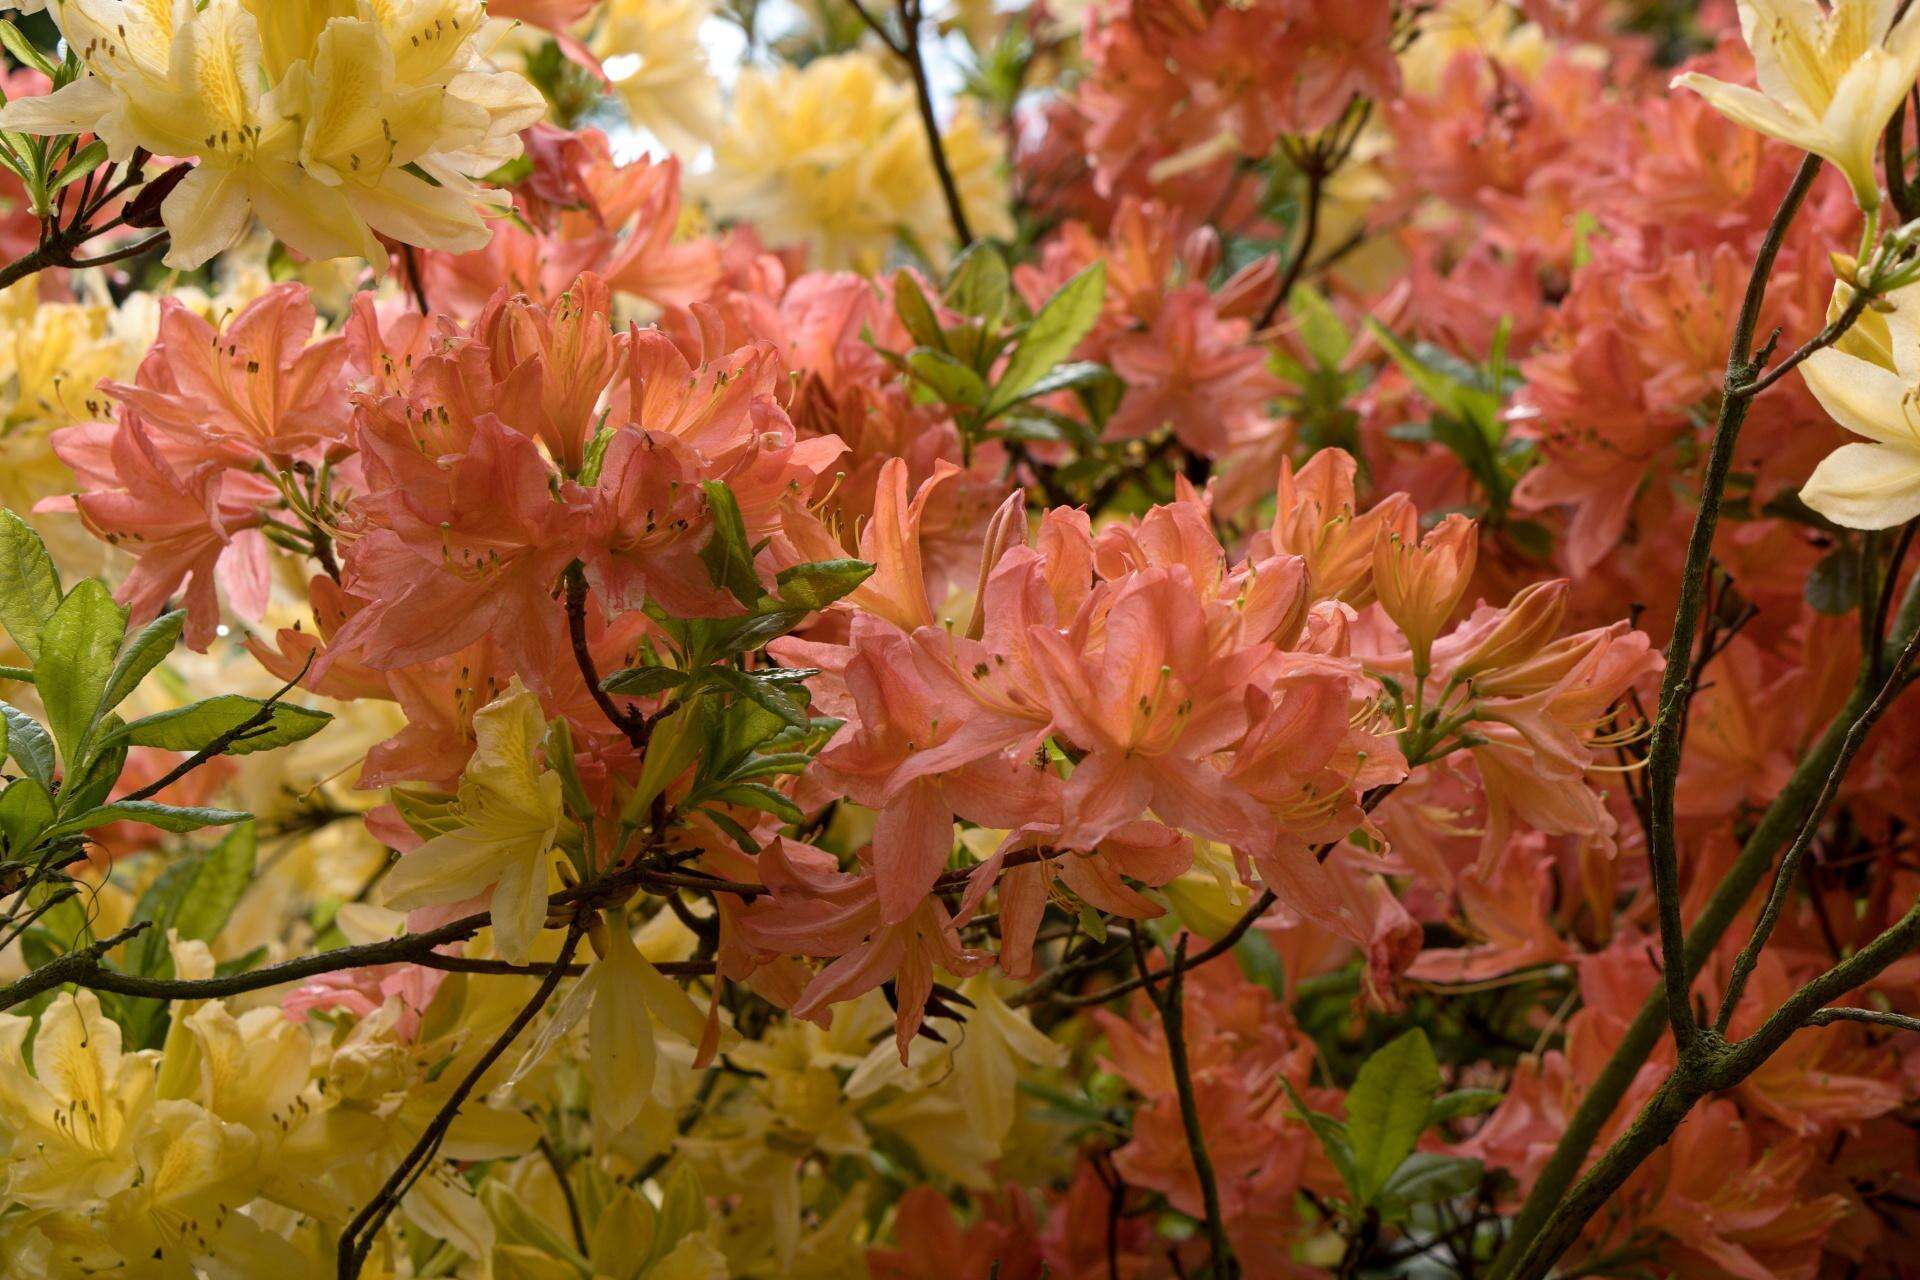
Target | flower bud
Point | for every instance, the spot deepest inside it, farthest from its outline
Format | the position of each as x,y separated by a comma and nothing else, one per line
1420,584
1532,617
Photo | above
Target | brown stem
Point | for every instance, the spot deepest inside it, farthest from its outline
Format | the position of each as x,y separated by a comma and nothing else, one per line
1172,1007
357,1240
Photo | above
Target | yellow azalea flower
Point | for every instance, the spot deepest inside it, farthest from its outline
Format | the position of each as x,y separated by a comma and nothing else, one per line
255,1070
388,1087
622,995
196,1171
832,156
652,52
981,1063
508,817
1869,384
69,1125
330,120
1829,80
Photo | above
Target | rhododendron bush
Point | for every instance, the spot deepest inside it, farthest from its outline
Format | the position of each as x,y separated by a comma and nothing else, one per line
1149,639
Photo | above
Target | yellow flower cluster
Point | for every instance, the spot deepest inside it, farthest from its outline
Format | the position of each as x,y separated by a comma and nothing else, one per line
652,53
833,156
328,119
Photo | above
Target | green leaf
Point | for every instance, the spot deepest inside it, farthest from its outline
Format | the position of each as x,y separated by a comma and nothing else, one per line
947,378
1834,585
193,896
980,285
199,725
1331,1134
77,649
1319,329
766,693
915,312
148,650
744,635
29,744
727,555
558,749
673,745
1387,1108
29,584
222,876
1067,377
1427,1177
1462,1102
644,682
1067,317
596,456
96,778
817,584
166,817
25,811
84,162
24,49
756,795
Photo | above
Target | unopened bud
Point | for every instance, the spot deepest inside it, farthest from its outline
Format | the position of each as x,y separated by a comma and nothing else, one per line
1532,617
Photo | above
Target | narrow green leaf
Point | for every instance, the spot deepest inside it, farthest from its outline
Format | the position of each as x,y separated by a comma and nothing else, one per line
727,555
915,312
84,162
29,744
96,778
77,650
1332,1136
29,584
25,811
757,795
819,583
223,875
644,682
1387,1108
673,745
1462,1102
1066,318
766,693
199,725
980,285
166,817
1426,1177
19,46
954,383
148,650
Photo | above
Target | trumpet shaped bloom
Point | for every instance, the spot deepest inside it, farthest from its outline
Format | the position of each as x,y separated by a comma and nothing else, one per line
331,121
1871,391
1829,80
508,819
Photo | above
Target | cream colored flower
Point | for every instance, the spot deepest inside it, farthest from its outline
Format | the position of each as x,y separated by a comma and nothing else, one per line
508,818
70,1124
652,52
329,120
832,156
1869,383
1829,80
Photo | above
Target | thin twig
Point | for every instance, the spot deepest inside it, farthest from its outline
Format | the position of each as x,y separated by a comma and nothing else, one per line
1676,686
1171,1004
357,1240
1783,878
1873,1017
634,727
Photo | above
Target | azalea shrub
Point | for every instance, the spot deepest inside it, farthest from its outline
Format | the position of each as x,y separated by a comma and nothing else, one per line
1149,639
